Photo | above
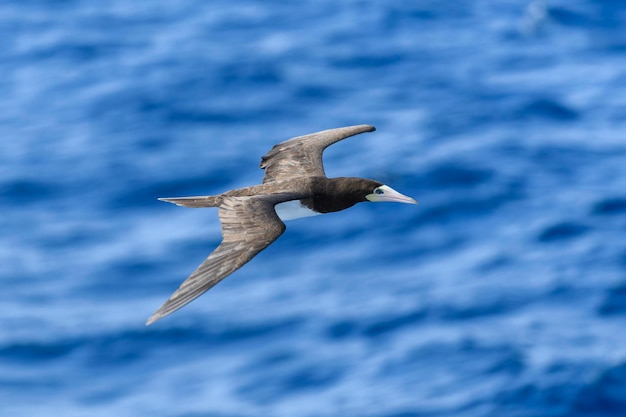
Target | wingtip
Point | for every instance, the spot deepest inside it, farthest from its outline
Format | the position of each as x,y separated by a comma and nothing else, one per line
361,128
178,201
154,317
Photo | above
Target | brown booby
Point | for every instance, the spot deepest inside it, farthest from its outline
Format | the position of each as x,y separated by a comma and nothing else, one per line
294,186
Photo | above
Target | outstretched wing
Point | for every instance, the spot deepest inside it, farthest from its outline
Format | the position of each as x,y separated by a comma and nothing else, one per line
302,156
249,225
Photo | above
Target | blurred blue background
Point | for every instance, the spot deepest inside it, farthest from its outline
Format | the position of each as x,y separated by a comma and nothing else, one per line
502,294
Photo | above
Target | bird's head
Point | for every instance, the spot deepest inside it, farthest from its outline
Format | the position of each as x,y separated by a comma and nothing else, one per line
341,193
379,193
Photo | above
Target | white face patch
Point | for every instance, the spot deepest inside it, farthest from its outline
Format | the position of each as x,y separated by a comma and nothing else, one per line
290,210
379,193
385,193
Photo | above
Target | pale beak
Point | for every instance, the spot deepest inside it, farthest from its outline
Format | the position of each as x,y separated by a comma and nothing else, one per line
390,195
394,196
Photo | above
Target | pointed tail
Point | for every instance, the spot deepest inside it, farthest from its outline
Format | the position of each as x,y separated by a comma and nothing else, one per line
195,202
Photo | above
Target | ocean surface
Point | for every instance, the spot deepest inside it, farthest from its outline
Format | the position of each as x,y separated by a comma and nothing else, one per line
502,294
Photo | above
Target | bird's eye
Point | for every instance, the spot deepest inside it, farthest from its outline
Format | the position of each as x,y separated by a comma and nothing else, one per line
378,191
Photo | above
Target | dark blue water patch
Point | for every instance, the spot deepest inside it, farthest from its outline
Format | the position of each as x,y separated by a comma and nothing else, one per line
614,301
138,267
400,14
102,350
120,349
87,232
204,414
195,249
453,175
411,13
470,359
132,278
409,253
153,143
537,400
622,261
228,333
313,376
375,326
123,348
461,118
81,52
272,360
29,352
610,206
406,413
563,161
315,93
568,17
341,329
393,322
564,291
485,307
159,334
372,60
193,115
547,108
523,62
562,231
256,73
13,387
25,191
173,113
141,194
496,263
303,239
616,46
554,393
492,359
604,16
58,193
303,375
113,351
604,396
464,207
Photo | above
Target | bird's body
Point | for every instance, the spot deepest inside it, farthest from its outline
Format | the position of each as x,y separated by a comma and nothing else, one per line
294,186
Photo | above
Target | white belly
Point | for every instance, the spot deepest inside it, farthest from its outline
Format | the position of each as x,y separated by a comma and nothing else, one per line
290,210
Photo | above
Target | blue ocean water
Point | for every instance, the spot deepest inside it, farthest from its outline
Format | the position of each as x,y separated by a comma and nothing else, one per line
502,294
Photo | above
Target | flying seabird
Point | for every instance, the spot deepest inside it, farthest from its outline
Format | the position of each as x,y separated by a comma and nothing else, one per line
294,186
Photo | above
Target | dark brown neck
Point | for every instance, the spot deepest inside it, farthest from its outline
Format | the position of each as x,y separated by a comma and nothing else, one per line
336,194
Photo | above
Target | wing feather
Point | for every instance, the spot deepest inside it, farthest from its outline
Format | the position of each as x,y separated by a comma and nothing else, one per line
302,156
249,225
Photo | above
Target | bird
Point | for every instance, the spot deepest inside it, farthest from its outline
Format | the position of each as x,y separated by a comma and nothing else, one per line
294,186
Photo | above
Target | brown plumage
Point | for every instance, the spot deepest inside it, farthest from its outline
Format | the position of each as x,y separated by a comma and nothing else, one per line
250,219
302,156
